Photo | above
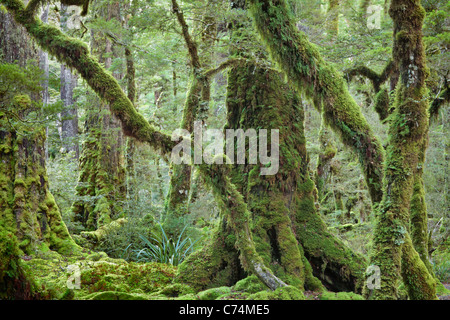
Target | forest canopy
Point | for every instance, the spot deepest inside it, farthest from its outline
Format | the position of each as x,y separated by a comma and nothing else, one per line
224,150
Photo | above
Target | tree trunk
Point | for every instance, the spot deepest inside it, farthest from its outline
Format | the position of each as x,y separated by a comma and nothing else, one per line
69,117
102,162
393,252
288,233
27,208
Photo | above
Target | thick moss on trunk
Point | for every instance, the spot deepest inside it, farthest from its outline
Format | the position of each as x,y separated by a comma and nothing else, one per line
393,252
303,65
289,235
101,184
333,17
27,208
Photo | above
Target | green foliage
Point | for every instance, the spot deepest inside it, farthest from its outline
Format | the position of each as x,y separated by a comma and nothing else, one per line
149,28
161,249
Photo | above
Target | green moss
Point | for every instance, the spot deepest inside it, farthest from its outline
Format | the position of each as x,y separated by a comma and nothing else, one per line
114,295
213,293
340,296
284,293
177,290
251,284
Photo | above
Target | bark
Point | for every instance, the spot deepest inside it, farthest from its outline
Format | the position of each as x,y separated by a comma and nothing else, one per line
393,249
102,163
320,82
28,211
69,117
287,231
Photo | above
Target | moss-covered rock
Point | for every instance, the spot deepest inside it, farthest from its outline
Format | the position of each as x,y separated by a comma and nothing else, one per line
114,295
214,293
283,293
251,284
116,278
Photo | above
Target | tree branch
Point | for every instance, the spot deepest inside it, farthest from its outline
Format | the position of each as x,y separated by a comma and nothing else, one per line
303,65
192,46
75,54
376,79
228,63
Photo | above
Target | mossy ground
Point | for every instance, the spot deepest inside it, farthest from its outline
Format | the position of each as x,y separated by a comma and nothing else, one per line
104,278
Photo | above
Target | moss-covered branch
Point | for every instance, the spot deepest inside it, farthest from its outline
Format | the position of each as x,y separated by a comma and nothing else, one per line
192,47
304,66
75,54
376,79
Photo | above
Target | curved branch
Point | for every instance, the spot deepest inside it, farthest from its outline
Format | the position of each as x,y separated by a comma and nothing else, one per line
229,63
376,79
75,54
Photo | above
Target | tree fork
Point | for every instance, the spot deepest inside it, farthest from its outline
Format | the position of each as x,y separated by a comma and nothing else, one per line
311,75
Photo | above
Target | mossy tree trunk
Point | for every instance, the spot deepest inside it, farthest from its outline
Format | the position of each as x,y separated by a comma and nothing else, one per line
320,82
196,108
394,252
333,17
28,211
102,184
288,233
69,116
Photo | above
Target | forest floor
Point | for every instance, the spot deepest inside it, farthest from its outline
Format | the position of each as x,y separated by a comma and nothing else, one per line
95,276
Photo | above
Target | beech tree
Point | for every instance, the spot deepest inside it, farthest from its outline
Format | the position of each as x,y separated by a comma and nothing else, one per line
270,226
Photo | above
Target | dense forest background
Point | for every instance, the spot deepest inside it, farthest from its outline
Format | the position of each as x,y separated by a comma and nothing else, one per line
86,201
